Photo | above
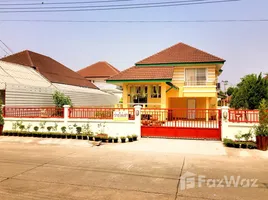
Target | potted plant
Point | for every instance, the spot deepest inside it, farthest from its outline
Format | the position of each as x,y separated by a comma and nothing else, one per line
68,135
2,121
130,139
44,135
58,135
53,135
48,135
115,139
90,136
228,142
244,145
63,129
237,144
97,138
134,136
84,136
261,131
110,139
103,137
123,139
5,133
73,136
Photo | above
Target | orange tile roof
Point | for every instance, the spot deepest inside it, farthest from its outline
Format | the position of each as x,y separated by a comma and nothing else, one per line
144,73
49,68
99,69
180,53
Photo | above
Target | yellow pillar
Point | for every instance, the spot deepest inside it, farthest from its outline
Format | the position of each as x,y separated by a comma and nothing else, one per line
207,107
163,95
125,95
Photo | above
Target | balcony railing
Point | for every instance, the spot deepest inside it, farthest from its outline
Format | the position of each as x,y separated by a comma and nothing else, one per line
200,83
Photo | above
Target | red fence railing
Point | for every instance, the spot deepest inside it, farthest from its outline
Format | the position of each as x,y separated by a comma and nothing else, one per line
98,113
33,112
247,116
179,117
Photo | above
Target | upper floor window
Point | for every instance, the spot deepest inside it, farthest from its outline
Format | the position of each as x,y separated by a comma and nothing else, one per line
155,91
196,76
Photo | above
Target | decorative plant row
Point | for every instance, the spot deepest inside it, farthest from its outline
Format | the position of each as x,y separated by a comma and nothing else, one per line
239,144
79,136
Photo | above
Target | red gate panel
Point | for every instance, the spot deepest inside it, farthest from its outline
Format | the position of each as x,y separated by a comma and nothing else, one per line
181,123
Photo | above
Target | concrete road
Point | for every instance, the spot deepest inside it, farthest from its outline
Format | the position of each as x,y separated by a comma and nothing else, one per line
111,171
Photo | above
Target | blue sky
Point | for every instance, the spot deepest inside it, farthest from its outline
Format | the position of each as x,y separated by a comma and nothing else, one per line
77,45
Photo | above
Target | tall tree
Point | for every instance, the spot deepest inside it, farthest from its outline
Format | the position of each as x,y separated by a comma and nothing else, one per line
230,91
249,92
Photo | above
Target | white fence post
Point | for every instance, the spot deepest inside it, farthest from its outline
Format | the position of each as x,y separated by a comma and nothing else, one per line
66,114
225,121
138,120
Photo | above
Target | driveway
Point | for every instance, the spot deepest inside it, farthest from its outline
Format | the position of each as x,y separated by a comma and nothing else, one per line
30,170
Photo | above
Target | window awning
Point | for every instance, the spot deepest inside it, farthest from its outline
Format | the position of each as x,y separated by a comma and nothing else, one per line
171,86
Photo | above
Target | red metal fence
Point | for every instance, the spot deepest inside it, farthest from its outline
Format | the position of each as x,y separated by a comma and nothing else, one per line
179,117
33,112
98,113
247,116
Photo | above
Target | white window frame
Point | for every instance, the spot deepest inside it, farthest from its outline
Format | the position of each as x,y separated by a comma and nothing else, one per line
195,69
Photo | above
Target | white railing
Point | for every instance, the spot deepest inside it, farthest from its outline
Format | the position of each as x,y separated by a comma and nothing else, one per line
200,83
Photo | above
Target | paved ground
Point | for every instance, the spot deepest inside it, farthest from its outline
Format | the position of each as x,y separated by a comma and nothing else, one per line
148,169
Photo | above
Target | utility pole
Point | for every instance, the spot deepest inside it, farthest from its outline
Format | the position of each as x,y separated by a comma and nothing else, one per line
225,83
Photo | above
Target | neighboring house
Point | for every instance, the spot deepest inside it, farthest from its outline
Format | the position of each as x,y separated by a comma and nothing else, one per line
180,76
24,79
98,73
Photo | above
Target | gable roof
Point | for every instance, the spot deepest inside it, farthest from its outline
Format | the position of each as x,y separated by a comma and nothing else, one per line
180,53
144,73
100,69
54,71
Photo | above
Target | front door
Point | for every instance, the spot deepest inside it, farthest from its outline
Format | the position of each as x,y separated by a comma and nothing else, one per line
191,108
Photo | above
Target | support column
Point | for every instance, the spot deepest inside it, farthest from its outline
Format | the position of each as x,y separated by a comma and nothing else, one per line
138,120
125,95
66,114
224,122
207,107
163,95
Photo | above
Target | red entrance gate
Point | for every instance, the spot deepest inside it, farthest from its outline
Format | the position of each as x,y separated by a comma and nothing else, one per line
181,123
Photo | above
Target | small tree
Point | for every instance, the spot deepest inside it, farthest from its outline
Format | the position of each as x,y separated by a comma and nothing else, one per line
249,92
230,91
60,99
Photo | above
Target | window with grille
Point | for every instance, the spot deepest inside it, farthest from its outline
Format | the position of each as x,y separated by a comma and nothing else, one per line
155,91
196,76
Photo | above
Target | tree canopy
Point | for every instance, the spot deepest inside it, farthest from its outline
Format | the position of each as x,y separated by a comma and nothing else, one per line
60,99
230,91
249,92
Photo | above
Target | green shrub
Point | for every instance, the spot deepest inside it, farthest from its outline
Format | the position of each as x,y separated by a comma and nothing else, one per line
228,142
21,127
49,128
78,129
36,128
63,129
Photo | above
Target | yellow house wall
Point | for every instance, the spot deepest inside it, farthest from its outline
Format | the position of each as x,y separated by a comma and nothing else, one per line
126,91
195,91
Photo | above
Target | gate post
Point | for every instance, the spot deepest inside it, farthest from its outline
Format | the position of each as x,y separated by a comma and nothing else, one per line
66,114
225,121
138,120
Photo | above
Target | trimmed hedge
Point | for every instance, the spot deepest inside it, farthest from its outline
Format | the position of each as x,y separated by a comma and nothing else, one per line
91,137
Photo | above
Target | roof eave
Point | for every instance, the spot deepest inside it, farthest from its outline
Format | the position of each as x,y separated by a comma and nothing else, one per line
180,63
139,80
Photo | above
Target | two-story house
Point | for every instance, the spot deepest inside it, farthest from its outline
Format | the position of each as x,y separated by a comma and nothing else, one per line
180,76
98,73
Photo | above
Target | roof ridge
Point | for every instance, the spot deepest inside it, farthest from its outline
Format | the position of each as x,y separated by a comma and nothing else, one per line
160,51
111,66
201,50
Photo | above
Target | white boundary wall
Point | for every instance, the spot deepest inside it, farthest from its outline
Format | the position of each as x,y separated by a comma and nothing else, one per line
111,127
230,129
